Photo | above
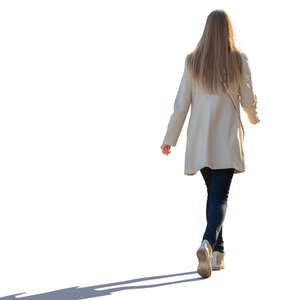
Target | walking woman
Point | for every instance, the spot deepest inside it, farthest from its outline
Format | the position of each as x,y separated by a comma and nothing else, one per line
216,80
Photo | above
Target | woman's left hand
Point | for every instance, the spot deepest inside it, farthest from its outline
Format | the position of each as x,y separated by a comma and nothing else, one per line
165,149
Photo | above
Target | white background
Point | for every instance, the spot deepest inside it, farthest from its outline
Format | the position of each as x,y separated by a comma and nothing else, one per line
87,197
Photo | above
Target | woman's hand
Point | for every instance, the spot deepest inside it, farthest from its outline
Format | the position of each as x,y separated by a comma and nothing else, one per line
165,149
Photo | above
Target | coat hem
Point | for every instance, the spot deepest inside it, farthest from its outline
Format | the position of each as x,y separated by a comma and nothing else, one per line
192,173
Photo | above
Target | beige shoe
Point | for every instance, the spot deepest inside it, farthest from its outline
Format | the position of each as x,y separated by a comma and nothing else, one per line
204,255
217,260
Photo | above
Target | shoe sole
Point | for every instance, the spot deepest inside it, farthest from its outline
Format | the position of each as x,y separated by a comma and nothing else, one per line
204,267
217,268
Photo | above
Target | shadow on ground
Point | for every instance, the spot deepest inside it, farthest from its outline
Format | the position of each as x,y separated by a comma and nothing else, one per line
75,293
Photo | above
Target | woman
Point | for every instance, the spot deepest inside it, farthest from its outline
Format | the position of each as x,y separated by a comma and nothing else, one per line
215,82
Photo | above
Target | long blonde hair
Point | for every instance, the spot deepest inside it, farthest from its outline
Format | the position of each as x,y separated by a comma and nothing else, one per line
216,51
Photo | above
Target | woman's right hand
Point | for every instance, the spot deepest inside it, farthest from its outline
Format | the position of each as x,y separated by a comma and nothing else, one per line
165,149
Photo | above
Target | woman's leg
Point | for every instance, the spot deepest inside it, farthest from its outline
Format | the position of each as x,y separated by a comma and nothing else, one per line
218,183
206,173
220,242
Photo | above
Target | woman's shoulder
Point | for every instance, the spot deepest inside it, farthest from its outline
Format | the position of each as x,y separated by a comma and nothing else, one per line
245,62
244,56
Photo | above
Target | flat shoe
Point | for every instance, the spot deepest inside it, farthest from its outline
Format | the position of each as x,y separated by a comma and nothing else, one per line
204,255
217,260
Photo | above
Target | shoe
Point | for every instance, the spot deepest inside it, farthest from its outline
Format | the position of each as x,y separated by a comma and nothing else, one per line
204,255
217,260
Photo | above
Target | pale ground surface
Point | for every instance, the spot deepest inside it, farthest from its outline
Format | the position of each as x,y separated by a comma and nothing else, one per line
143,247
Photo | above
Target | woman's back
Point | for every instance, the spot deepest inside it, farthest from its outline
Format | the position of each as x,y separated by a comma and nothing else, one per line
214,134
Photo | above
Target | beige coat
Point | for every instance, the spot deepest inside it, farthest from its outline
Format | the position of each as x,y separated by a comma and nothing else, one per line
214,134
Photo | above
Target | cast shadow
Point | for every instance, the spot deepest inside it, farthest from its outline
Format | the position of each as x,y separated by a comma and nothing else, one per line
76,293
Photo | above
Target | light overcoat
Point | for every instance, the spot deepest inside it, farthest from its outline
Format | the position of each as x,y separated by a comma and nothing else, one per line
214,133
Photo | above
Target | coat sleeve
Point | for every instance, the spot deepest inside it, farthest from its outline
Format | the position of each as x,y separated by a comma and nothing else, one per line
180,109
248,98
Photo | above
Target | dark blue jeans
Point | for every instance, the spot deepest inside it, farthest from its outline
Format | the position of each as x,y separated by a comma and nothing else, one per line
218,183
